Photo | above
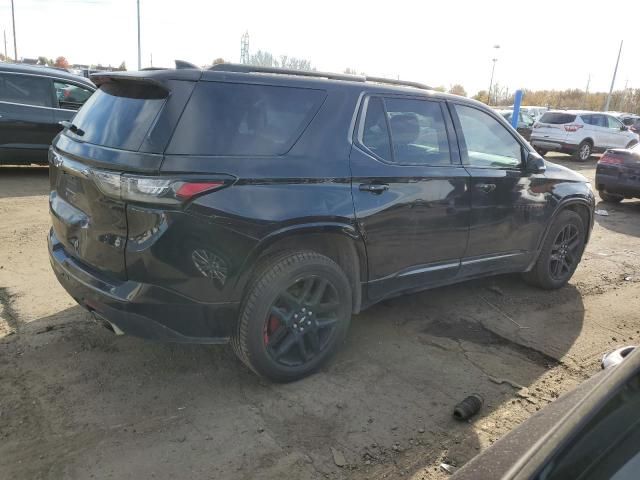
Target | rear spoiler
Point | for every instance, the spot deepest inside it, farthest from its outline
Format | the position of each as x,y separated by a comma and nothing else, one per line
158,77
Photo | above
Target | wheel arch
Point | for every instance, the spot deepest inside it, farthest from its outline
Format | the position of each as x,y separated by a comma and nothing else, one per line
339,242
581,206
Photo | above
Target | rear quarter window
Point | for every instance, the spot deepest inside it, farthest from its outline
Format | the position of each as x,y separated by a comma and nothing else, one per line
556,118
119,115
244,119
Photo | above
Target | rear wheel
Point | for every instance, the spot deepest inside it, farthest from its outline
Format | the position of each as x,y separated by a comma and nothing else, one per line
294,316
561,252
584,151
541,151
610,197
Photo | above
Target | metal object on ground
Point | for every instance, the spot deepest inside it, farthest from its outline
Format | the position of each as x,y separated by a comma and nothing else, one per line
468,407
614,358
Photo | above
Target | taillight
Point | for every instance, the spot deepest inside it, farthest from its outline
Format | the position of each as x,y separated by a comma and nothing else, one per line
573,127
154,189
608,159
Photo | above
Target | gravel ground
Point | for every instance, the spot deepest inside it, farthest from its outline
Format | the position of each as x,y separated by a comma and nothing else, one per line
78,402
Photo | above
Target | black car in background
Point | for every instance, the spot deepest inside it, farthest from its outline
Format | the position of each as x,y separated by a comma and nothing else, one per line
33,100
266,206
525,122
618,174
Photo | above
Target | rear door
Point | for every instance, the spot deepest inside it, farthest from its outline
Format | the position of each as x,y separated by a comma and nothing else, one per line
110,132
410,193
27,124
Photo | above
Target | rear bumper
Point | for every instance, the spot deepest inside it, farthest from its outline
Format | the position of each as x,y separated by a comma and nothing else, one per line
553,145
618,182
142,310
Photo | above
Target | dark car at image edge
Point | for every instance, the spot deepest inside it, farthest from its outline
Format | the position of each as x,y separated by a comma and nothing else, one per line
265,206
618,174
33,102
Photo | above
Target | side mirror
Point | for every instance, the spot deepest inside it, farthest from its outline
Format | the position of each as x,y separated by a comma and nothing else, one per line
623,128
535,163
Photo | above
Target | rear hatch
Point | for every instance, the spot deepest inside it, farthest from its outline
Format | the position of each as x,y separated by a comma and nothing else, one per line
123,128
554,126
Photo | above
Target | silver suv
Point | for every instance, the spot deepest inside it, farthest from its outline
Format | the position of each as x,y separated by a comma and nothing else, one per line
580,133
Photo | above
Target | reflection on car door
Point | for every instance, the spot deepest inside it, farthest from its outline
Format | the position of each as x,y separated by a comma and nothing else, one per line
26,117
508,205
410,193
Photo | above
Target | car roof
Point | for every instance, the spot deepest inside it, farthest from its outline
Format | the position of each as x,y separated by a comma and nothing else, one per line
320,80
45,71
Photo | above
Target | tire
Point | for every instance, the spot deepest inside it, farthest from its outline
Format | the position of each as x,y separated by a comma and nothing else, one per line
558,259
610,197
541,151
278,306
584,151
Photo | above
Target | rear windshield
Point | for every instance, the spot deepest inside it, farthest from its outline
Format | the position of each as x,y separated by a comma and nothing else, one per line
557,118
243,119
119,115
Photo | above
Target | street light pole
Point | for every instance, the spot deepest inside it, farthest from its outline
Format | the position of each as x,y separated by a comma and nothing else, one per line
613,80
15,43
139,50
493,69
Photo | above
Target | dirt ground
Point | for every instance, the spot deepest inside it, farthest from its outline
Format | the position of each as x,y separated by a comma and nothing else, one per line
78,402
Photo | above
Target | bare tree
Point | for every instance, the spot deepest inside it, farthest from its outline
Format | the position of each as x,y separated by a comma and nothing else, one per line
218,61
458,89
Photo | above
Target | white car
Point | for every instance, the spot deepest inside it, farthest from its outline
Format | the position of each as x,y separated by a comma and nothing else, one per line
580,133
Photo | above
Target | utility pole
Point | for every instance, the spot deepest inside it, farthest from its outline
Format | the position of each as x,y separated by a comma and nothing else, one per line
15,43
151,59
5,45
586,91
613,80
139,50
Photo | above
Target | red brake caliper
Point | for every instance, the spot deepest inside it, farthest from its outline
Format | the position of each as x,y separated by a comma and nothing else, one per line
271,326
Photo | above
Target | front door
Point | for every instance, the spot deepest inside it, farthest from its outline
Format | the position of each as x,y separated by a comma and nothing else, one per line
508,205
27,124
618,136
410,193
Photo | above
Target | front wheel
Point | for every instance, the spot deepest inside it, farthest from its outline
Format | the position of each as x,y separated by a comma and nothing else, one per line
294,316
561,252
584,151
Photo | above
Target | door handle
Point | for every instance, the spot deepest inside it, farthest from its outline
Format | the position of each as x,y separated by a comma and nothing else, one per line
486,187
373,187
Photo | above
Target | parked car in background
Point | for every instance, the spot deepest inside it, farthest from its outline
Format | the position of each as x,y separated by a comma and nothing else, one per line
580,133
535,112
33,100
525,122
618,174
630,120
265,206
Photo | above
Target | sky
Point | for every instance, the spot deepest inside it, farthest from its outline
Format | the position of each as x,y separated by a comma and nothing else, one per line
542,44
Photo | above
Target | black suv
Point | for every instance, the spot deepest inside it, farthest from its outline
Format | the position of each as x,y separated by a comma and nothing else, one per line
33,100
265,207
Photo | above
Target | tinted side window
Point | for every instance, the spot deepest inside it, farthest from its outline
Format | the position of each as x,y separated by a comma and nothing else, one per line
488,143
119,115
418,132
26,89
71,96
244,119
375,134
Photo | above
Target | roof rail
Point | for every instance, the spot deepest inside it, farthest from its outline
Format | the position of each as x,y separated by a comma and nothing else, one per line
243,68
